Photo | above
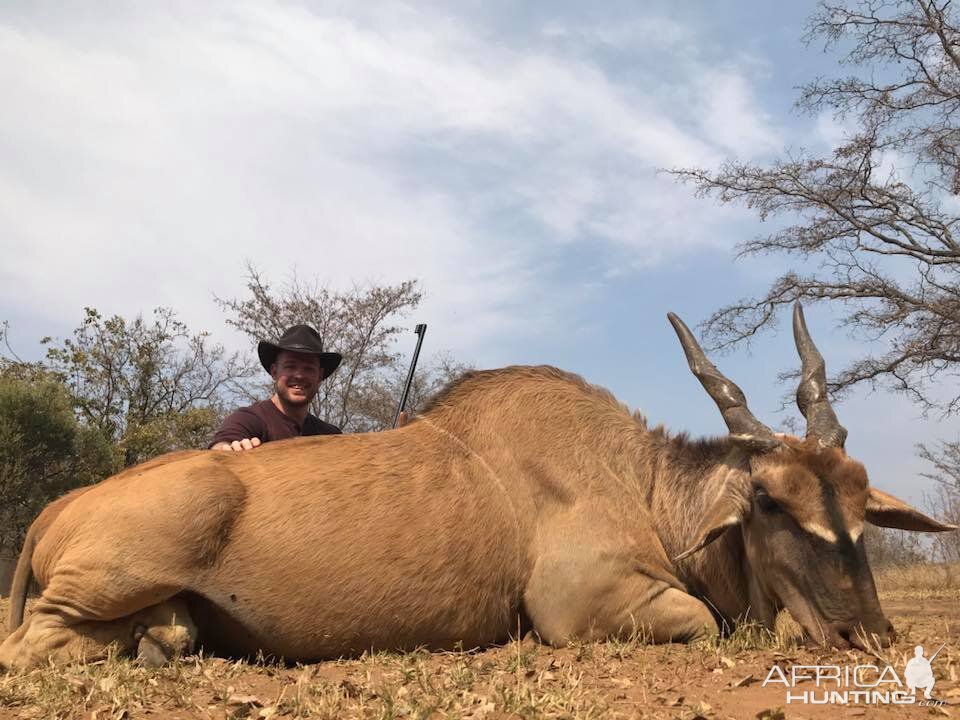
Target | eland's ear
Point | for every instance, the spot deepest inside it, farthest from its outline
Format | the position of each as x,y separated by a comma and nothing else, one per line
725,512
885,510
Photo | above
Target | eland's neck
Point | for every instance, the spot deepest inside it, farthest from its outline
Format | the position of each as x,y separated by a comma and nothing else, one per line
685,478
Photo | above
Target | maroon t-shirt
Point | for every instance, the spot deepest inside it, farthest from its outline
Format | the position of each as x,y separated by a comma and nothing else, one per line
265,421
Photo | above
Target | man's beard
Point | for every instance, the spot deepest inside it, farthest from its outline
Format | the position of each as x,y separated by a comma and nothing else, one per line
294,402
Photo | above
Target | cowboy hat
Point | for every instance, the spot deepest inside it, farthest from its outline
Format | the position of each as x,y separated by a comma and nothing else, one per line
301,339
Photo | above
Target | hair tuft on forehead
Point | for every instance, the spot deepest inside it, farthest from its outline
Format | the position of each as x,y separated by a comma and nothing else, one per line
803,458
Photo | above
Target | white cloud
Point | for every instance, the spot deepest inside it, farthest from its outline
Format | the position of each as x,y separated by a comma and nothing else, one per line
147,150
652,31
153,150
732,118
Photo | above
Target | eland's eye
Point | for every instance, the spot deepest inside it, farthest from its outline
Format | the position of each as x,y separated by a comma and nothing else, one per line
766,503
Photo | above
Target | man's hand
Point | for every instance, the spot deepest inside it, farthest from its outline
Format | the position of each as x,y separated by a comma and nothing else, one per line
238,445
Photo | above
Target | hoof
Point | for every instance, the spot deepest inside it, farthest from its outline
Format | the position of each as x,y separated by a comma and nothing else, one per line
160,644
8,664
151,653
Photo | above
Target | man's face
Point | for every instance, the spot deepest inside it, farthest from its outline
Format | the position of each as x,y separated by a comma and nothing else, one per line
297,377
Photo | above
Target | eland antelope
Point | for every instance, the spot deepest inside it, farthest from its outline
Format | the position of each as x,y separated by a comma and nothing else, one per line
521,495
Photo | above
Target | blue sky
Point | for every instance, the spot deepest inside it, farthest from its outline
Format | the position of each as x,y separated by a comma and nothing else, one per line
505,154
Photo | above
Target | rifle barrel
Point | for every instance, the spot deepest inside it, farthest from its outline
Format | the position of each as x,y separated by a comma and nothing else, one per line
420,330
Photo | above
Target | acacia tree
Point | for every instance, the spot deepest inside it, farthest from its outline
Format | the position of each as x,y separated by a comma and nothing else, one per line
44,450
150,387
363,324
876,219
378,404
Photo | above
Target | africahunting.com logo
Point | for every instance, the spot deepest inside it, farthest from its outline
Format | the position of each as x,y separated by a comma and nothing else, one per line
859,684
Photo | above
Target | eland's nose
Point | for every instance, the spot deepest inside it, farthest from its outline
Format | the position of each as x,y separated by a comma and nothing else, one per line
863,636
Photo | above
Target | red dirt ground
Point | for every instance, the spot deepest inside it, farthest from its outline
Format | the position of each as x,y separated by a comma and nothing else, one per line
519,680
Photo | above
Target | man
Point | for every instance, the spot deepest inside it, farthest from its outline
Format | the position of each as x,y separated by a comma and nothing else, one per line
297,363
919,674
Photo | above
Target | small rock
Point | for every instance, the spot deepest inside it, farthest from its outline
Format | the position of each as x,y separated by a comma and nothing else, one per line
701,711
350,689
771,714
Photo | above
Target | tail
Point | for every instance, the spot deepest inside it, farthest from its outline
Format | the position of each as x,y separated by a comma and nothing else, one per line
21,580
22,576
24,572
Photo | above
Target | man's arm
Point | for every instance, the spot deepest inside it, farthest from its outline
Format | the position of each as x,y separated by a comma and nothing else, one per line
240,431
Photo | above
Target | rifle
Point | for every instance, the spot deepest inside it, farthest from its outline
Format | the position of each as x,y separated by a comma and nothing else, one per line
937,652
420,330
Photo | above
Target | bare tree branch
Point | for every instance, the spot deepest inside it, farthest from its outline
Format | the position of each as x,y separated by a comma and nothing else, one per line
149,387
876,220
363,324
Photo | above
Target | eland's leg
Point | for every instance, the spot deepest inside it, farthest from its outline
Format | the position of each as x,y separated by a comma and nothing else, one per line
95,601
114,564
588,584
635,606
164,632
57,634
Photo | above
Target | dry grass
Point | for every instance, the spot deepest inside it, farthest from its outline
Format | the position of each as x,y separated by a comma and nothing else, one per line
717,678
786,637
513,680
919,581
